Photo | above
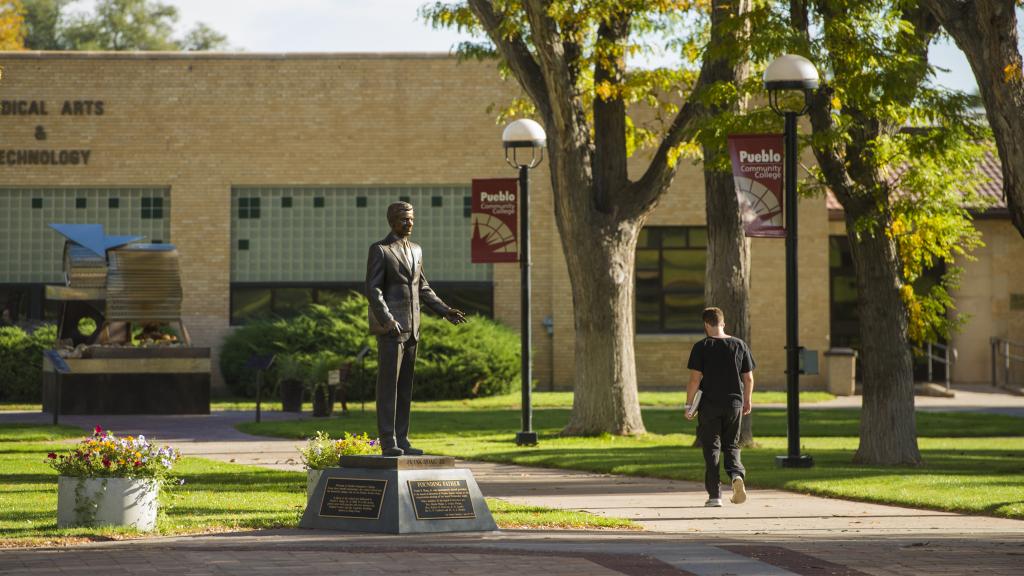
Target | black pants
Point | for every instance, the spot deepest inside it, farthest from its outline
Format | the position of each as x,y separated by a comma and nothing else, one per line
718,428
396,360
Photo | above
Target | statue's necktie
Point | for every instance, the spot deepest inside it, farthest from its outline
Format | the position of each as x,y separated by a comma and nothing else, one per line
407,252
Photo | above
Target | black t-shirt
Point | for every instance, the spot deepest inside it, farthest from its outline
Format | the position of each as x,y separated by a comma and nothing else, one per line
721,361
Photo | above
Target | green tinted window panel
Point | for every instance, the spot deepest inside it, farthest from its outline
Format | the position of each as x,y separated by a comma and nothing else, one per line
329,243
31,252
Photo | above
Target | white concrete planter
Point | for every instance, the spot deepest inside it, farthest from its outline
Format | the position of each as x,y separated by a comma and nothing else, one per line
128,502
312,478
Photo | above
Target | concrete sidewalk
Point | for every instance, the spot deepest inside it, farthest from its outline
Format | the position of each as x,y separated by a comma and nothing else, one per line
985,399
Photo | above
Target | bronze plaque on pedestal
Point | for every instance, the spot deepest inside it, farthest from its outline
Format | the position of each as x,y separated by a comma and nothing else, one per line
353,498
441,499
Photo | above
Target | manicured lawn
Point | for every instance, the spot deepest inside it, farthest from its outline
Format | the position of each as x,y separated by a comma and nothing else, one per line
662,399
973,462
215,497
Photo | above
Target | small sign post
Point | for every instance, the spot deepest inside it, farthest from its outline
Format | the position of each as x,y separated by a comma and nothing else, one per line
361,358
260,364
59,367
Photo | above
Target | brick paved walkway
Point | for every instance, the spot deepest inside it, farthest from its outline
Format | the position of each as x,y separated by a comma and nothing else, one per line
522,553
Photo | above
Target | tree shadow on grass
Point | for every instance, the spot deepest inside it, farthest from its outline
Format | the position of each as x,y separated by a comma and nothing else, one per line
767,423
27,478
258,480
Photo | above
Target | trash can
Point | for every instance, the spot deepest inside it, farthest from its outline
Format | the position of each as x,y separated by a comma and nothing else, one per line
842,371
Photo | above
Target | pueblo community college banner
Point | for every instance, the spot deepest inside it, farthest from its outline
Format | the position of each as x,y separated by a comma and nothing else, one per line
757,171
495,216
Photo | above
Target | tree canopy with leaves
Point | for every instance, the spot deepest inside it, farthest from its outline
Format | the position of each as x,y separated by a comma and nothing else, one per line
570,59
113,25
988,33
12,25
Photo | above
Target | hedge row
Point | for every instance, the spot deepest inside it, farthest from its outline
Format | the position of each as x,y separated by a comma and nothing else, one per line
478,358
21,362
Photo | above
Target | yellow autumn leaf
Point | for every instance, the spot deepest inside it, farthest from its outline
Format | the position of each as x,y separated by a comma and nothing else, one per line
1012,72
12,25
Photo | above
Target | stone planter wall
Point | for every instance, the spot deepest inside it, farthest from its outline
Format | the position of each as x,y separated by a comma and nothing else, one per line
312,477
107,501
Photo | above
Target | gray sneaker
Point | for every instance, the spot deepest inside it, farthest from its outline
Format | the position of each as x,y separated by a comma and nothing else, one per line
739,491
713,503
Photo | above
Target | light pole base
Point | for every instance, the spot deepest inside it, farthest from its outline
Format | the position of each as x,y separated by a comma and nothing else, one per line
526,438
801,461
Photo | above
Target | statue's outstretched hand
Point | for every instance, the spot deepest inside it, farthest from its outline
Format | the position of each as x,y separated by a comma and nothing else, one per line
456,316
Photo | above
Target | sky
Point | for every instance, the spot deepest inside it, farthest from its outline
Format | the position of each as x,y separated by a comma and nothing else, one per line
384,26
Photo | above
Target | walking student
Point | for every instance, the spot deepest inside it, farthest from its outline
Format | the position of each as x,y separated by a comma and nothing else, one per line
723,369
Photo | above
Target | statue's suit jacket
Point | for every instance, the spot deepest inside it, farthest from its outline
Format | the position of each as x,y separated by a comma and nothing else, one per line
395,287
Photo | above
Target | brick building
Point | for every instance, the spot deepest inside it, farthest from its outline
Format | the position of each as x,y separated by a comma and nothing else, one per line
271,173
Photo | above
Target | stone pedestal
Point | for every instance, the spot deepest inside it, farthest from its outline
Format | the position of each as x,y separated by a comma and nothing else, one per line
841,366
397,495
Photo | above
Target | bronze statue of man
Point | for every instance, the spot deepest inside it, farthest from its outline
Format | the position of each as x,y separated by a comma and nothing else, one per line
395,286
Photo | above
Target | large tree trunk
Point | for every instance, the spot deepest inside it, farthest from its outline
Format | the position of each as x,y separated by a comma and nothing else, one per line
986,31
888,431
727,281
601,271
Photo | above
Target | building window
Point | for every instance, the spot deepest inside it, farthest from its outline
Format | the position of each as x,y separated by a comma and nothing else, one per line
405,199
360,201
844,323
80,203
248,208
286,202
670,265
467,206
436,201
318,202
113,203
243,244
37,203
152,208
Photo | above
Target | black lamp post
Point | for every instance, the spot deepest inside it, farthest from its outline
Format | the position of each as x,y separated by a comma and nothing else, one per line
786,73
518,137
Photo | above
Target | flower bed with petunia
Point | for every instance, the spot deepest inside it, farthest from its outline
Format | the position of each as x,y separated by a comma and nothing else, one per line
322,451
104,455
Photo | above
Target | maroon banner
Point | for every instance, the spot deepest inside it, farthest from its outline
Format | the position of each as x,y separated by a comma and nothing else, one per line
494,220
757,172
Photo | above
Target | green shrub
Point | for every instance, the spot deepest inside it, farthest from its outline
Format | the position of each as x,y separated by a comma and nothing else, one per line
21,362
479,358
255,338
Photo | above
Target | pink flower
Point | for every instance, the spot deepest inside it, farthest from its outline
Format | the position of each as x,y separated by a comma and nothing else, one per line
52,456
137,463
106,463
98,430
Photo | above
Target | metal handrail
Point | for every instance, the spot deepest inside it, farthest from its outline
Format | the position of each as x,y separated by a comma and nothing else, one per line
1001,349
